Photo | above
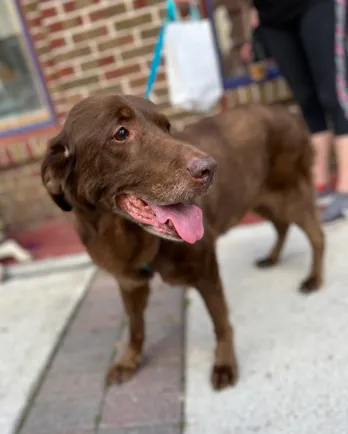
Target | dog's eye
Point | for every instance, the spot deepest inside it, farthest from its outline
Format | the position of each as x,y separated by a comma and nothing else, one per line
121,134
168,126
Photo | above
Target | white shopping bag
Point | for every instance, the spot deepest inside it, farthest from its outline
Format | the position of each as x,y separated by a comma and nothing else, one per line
192,65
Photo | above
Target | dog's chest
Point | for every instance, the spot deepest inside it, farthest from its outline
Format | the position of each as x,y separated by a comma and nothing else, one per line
176,263
117,246
169,273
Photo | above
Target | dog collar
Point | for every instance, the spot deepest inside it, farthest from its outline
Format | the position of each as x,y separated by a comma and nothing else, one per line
146,267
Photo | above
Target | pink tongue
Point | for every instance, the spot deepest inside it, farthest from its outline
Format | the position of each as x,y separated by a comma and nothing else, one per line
187,220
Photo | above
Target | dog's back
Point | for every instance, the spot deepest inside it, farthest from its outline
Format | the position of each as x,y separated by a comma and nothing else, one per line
257,148
288,146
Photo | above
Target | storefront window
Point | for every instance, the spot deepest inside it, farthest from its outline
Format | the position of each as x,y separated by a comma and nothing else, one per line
23,101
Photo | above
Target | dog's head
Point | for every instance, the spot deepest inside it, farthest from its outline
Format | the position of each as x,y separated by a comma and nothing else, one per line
116,153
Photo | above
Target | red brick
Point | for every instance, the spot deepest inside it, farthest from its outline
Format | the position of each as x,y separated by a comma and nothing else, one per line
139,52
77,82
138,82
90,34
131,69
50,12
52,77
78,4
66,71
107,12
49,63
70,6
34,22
45,49
59,42
106,60
137,4
133,21
140,4
73,99
72,54
55,27
150,33
91,64
77,21
108,90
38,37
60,101
66,24
30,7
112,43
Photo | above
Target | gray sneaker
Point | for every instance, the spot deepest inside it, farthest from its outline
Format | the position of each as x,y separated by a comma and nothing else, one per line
337,209
324,197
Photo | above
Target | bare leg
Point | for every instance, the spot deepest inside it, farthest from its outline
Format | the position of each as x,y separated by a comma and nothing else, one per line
282,230
321,143
338,208
225,371
135,302
341,146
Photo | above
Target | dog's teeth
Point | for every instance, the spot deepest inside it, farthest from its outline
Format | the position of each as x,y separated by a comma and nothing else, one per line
170,224
147,207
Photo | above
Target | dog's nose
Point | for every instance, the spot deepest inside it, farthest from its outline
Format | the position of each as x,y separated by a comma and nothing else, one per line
202,169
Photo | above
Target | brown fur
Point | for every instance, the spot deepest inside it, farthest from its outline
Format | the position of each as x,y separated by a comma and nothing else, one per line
264,164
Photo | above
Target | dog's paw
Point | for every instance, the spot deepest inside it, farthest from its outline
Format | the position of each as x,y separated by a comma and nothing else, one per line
119,373
310,285
265,262
223,376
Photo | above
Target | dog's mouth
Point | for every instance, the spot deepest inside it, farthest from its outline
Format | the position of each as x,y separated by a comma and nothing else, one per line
178,221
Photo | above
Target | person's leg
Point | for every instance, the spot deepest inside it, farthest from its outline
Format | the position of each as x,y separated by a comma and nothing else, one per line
287,50
320,52
321,143
341,147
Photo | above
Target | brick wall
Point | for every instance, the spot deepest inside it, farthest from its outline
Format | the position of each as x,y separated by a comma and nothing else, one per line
23,200
87,47
100,46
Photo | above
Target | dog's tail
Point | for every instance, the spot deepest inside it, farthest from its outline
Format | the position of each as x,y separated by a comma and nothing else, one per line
291,156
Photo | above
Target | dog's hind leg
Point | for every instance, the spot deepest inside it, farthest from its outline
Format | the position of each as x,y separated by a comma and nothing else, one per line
281,227
135,302
273,257
309,222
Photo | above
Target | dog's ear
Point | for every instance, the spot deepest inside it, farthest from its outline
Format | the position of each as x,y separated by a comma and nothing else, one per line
55,170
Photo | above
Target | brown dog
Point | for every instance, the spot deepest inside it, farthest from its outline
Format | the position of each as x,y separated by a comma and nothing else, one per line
116,166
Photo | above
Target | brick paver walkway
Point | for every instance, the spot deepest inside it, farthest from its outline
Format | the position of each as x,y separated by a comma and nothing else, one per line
72,398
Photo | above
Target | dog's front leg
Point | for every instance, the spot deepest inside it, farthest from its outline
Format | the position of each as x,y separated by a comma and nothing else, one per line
225,370
135,302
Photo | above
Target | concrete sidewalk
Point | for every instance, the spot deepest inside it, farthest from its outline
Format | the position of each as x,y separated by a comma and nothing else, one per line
292,349
33,314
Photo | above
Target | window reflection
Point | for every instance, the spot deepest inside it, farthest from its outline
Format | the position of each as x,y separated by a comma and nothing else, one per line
22,98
